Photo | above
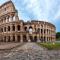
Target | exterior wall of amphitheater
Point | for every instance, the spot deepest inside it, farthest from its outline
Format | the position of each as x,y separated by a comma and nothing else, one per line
14,30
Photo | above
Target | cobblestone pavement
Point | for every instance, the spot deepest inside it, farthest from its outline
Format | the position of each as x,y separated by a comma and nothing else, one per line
30,51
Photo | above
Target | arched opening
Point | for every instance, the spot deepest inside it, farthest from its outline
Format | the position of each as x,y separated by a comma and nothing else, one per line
30,29
8,28
25,28
44,39
38,30
4,38
44,31
5,29
18,27
41,31
35,38
18,38
47,39
24,38
41,39
8,38
13,38
31,38
13,27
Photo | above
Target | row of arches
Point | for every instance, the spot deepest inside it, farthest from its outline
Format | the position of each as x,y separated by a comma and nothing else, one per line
13,38
37,30
17,38
8,28
8,19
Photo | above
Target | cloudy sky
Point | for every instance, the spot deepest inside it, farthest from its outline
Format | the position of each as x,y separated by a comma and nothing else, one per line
46,10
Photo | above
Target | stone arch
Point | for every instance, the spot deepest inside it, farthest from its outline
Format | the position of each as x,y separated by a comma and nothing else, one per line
5,29
35,38
18,27
13,38
1,29
8,28
8,38
38,30
13,27
4,38
25,28
30,27
44,39
41,39
47,38
41,31
24,38
31,38
18,38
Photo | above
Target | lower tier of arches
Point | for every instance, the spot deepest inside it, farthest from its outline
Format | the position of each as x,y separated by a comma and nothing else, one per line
26,38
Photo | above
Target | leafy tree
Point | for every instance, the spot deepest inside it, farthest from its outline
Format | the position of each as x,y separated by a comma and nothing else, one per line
58,35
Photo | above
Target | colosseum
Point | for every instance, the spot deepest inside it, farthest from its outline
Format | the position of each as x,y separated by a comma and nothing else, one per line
13,29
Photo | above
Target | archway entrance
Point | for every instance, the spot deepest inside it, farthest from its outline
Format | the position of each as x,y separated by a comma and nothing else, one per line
4,38
8,38
35,38
18,38
31,38
13,38
24,38
41,39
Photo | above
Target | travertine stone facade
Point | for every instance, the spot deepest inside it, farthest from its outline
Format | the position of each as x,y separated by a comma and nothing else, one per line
14,30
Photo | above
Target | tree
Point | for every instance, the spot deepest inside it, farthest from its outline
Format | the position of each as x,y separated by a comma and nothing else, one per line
58,35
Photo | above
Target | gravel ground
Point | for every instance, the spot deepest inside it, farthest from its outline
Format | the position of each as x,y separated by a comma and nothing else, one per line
30,51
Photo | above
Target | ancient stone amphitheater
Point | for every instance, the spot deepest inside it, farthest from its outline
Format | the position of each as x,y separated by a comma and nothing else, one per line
13,29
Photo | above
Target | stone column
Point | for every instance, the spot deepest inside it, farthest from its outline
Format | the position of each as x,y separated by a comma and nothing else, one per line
3,29
38,40
3,19
10,18
21,38
15,27
43,33
7,19
21,26
28,38
10,28
16,17
6,38
15,38
33,28
3,38
6,28
11,37
0,37
28,28
46,33
40,32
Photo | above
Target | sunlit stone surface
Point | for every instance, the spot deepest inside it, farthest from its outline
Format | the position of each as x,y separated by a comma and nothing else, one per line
30,51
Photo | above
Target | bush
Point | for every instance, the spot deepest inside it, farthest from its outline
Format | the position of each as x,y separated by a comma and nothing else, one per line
50,46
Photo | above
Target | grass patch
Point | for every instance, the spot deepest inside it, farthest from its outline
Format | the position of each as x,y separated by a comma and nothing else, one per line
50,46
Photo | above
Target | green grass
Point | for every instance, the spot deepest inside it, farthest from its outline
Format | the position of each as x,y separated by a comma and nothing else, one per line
50,46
